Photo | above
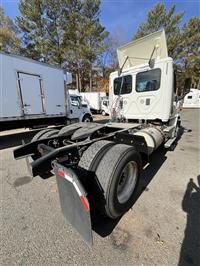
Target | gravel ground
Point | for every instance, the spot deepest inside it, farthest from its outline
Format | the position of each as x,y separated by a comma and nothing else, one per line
162,228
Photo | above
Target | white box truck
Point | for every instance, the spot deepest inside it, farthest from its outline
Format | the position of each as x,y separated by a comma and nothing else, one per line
192,99
34,94
95,101
98,166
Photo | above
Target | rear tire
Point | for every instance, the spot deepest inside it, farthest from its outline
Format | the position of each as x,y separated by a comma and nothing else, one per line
49,134
70,129
118,173
39,134
92,156
43,134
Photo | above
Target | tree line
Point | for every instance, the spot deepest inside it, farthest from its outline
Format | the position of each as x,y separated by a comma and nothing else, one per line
68,33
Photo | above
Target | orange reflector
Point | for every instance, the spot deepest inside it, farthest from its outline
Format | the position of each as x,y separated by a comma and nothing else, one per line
85,204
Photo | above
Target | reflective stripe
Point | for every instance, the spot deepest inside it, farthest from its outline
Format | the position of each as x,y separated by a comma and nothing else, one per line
85,203
71,180
77,188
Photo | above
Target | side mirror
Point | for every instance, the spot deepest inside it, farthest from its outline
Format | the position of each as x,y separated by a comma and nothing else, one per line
187,85
151,63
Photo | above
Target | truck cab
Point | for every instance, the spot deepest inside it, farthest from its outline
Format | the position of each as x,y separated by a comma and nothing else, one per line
77,108
105,106
143,90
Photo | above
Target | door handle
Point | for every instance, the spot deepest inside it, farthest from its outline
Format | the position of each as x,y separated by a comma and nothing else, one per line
26,105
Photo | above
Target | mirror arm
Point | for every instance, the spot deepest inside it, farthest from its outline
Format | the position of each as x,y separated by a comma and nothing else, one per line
120,69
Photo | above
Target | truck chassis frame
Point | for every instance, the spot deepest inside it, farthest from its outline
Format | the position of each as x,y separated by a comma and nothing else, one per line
79,189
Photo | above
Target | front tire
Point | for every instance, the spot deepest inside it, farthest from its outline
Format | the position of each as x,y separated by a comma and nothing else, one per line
87,118
103,113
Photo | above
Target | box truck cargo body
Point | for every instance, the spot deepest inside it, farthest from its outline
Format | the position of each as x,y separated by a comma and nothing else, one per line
32,93
192,99
94,100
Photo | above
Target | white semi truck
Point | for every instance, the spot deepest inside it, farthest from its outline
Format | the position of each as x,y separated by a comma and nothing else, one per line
98,166
35,94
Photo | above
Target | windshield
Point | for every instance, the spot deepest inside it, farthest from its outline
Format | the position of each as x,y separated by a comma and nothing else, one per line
75,100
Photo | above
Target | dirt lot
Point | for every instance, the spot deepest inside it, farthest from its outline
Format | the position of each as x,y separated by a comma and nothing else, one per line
162,228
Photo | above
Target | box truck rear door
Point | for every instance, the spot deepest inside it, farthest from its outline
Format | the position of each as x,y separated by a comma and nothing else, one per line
31,93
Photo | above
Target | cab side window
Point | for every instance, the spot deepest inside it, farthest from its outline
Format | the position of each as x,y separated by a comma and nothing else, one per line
123,85
105,103
148,80
75,100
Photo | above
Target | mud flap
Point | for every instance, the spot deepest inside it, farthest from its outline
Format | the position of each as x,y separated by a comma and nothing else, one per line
74,202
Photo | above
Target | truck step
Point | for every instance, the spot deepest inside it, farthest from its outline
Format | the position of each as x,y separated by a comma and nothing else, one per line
169,143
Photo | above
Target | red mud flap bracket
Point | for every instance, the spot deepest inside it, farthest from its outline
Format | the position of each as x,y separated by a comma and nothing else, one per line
73,200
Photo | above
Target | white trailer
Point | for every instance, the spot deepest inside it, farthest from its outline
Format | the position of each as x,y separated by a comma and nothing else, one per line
192,99
98,166
33,93
94,100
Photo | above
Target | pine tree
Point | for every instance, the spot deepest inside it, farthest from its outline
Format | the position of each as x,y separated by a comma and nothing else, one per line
32,23
158,18
54,28
64,32
9,42
83,38
190,54
94,34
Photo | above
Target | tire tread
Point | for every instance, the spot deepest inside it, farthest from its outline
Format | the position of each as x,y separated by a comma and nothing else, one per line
92,153
108,163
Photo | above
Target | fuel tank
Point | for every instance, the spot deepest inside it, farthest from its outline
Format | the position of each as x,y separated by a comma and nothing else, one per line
154,137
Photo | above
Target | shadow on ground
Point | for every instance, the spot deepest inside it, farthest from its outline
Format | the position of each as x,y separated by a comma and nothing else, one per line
190,249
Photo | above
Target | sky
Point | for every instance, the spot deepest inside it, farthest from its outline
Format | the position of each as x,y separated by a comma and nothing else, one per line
124,16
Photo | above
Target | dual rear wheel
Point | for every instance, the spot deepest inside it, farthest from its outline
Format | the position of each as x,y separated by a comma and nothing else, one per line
117,169
43,134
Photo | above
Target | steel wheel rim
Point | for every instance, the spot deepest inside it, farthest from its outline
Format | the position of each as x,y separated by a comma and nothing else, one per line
127,182
87,120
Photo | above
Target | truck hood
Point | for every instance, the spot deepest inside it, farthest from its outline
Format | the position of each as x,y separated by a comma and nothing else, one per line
139,51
